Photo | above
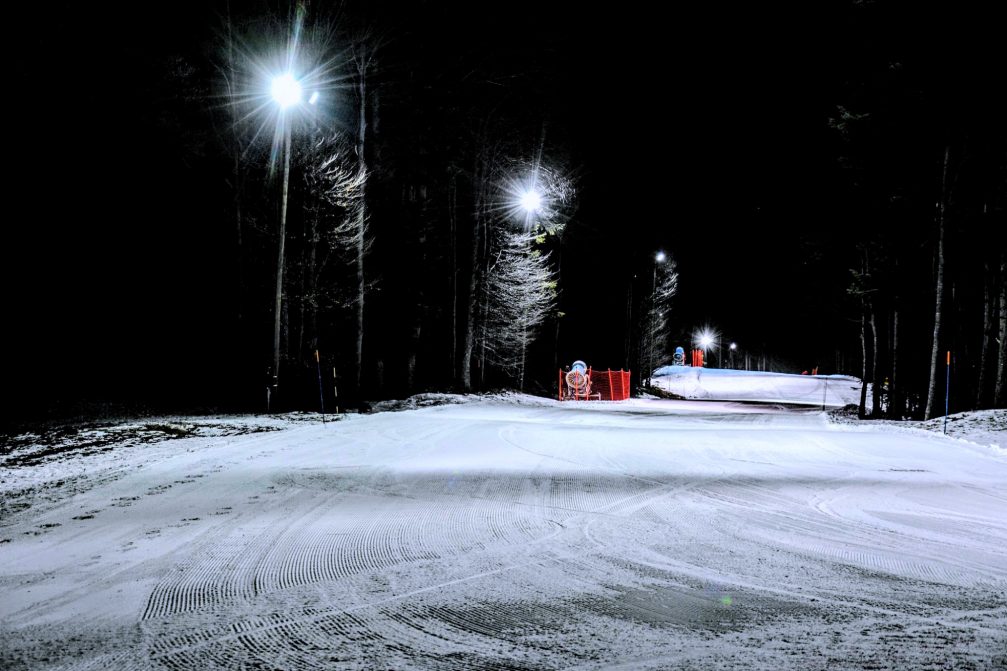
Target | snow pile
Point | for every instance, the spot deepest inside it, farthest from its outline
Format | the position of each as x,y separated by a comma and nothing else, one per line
430,400
981,427
422,401
742,385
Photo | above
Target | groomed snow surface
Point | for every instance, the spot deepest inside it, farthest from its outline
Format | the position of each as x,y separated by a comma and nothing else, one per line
505,533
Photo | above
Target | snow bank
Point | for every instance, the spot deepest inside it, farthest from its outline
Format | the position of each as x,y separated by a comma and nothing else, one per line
740,385
987,428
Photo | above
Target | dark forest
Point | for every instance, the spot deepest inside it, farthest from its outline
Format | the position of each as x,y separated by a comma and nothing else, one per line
829,184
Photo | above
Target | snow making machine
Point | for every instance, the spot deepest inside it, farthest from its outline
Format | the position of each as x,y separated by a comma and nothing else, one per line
679,358
582,383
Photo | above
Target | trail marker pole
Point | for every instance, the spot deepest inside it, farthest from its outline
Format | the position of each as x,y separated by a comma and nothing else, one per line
947,393
321,394
335,389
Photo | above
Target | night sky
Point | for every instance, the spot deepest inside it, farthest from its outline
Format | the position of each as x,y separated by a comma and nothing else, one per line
701,130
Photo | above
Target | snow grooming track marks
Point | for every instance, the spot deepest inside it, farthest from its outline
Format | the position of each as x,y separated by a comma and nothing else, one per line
802,529
449,631
300,623
502,537
219,570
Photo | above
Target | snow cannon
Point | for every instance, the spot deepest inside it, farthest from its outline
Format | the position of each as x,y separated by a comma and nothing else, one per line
578,379
579,382
679,358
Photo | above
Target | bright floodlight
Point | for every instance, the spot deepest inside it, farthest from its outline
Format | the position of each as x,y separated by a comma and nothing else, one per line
660,257
286,90
734,345
531,201
706,337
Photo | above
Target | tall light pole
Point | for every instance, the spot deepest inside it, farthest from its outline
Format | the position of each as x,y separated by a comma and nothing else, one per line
286,92
733,346
659,258
531,203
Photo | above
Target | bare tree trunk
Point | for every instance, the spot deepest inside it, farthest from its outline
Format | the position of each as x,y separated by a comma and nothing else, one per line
310,326
411,362
1000,397
988,301
936,349
484,272
862,411
236,187
559,281
651,310
278,304
524,354
301,311
875,369
628,344
468,341
895,407
362,66
453,220
484,311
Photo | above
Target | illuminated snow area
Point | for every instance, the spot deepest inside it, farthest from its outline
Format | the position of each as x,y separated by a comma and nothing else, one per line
508,533
744,385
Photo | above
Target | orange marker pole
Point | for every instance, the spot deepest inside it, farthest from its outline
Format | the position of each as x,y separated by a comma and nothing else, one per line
947,393
321,394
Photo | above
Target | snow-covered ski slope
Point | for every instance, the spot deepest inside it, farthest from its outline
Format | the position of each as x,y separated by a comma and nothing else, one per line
744,385
507,534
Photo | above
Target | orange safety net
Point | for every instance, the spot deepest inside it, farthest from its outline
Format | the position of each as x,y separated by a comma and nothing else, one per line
596,385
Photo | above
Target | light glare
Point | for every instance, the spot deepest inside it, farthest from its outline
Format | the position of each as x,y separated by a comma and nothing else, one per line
286,90
706,337
531,201
660,257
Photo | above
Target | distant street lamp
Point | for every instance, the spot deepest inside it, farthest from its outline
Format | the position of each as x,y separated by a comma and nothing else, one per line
733,346
705,340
